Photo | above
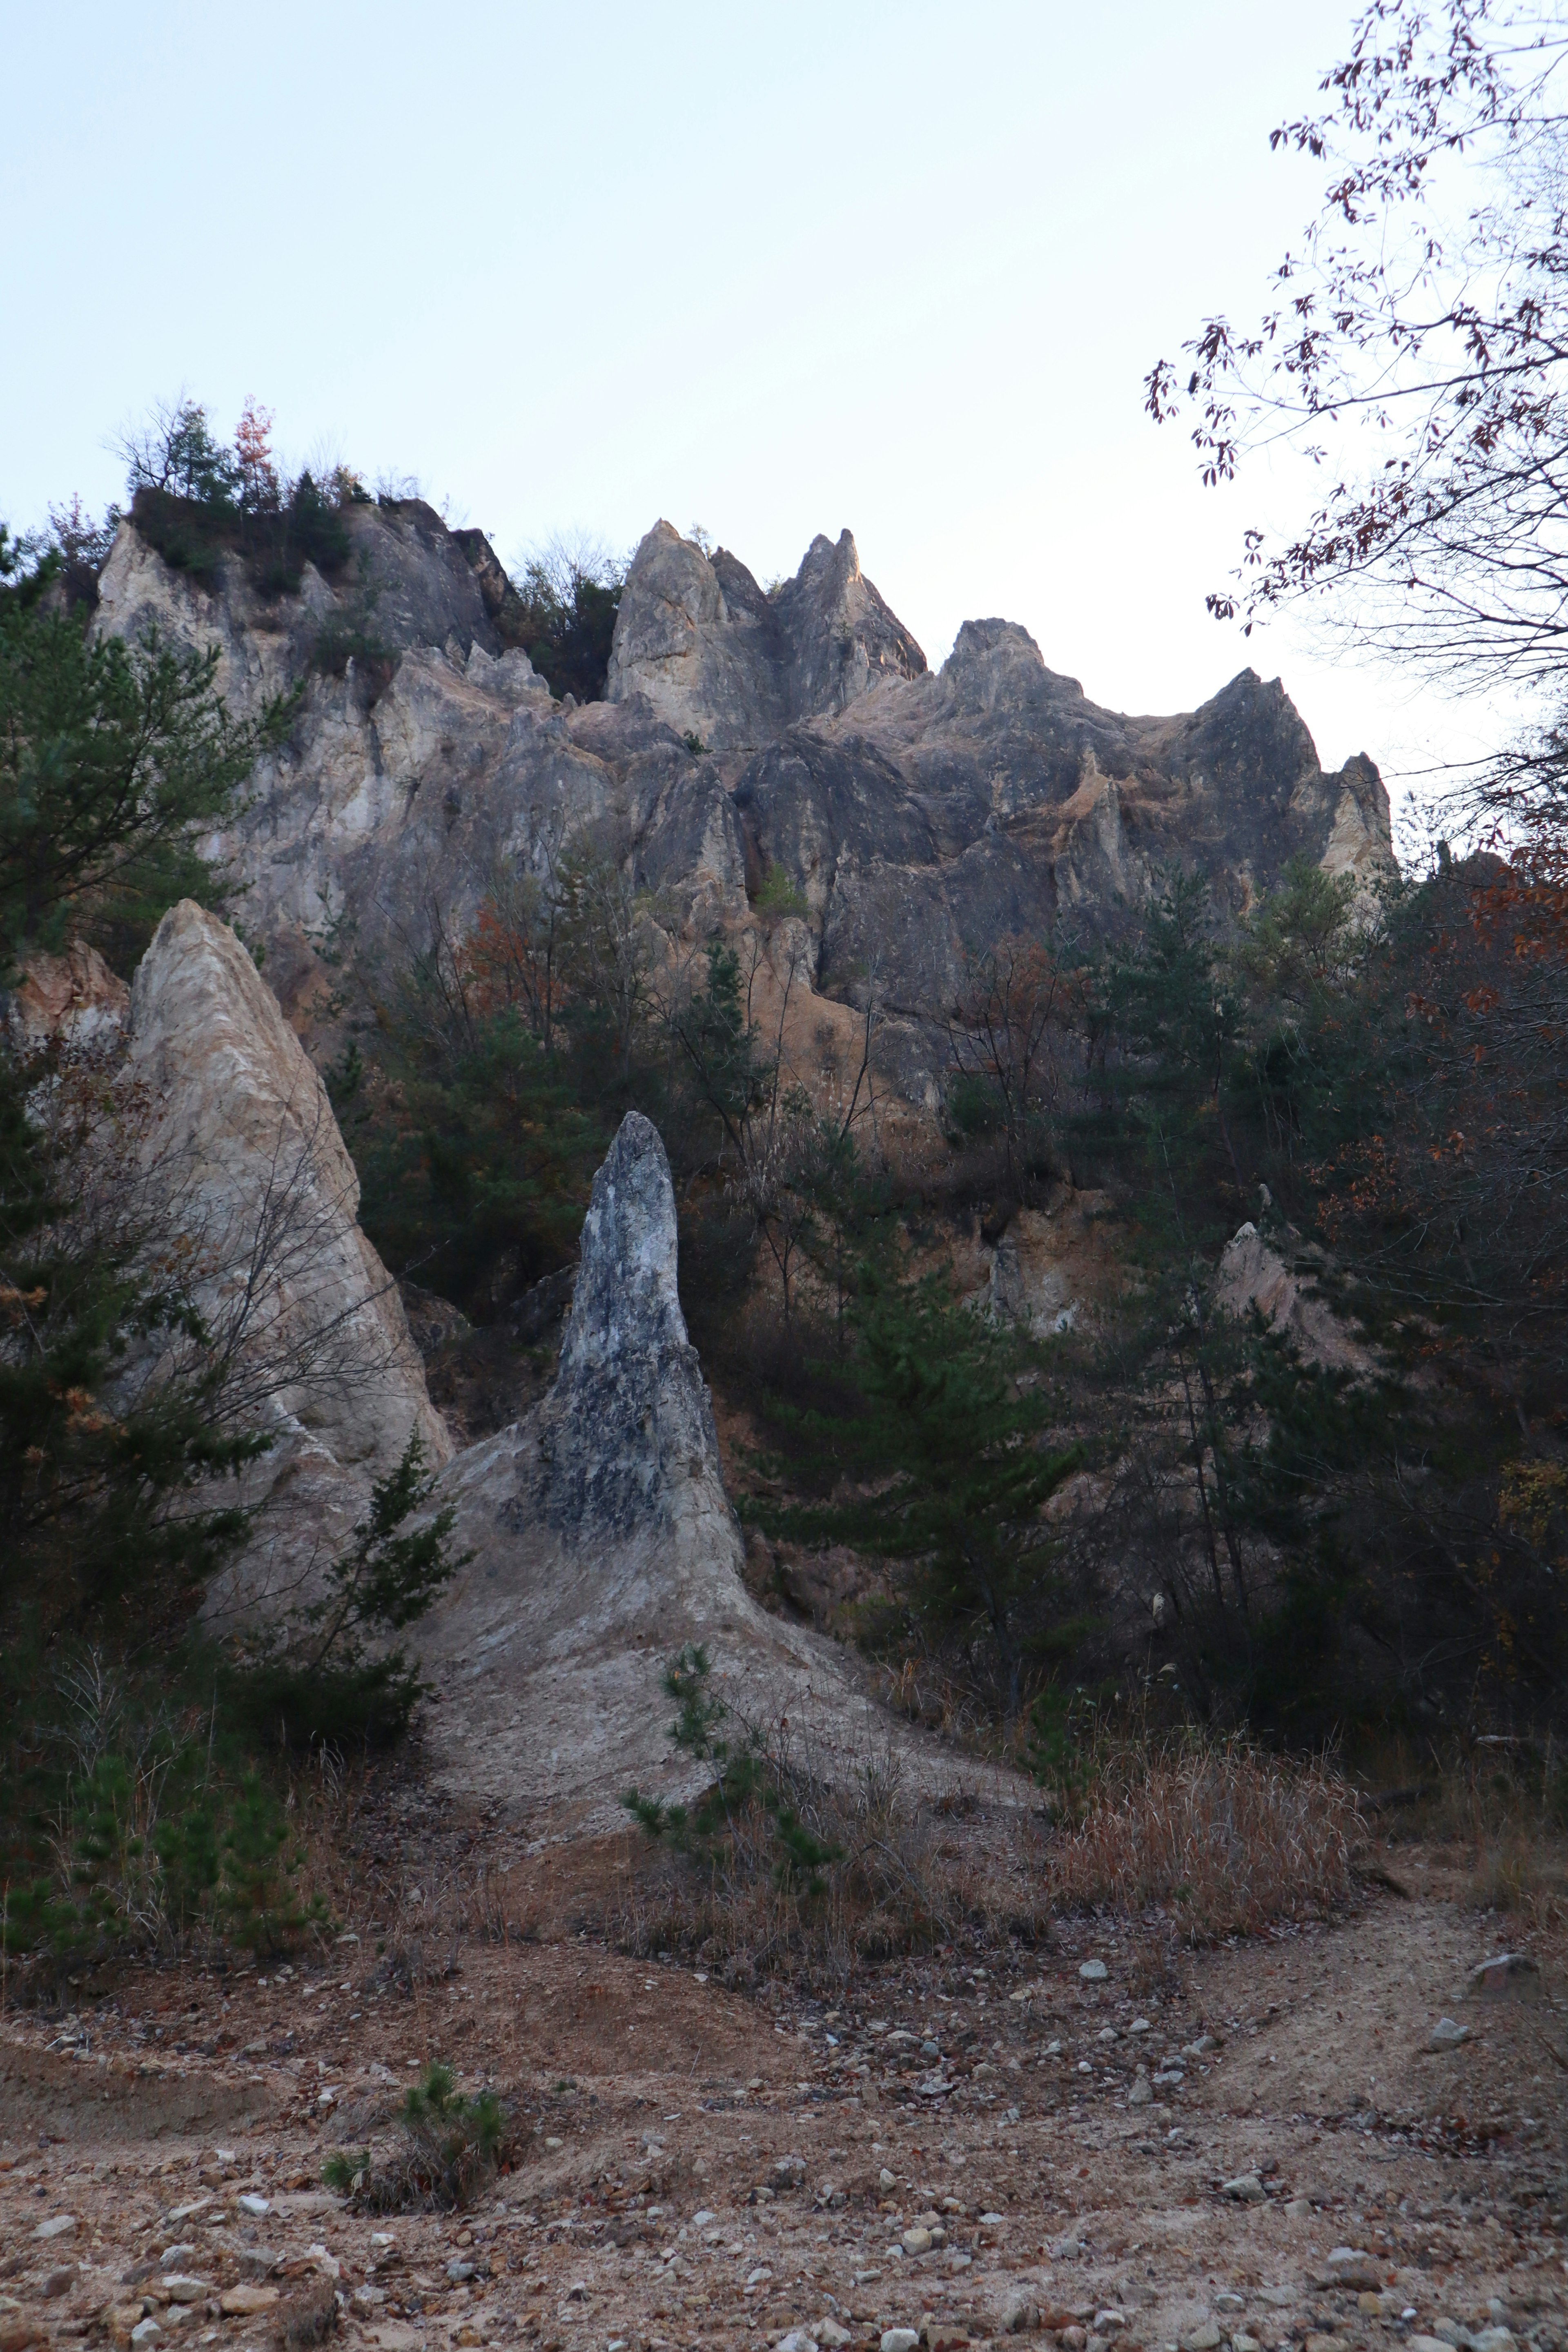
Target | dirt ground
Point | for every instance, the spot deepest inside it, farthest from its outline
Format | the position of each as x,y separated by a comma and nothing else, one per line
982,2142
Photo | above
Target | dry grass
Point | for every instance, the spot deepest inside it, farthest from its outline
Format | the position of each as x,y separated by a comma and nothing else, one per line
909,1875
1222,1839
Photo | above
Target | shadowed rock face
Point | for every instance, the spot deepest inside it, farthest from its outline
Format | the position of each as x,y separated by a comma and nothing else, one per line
922,818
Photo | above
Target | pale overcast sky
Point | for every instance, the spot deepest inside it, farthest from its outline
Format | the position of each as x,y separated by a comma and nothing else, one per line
771,270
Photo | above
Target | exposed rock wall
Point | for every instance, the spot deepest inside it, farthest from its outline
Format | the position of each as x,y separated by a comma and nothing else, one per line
920,816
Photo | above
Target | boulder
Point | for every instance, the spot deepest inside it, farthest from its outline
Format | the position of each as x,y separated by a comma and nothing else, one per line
74,997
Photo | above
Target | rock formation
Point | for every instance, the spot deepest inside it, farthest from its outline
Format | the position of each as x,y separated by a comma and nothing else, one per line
603,1540
1254,1279
73,996
240,1131
920,817
718,657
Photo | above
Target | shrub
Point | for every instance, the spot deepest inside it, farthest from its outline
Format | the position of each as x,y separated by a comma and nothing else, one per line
452,2147
319,1678
791,1855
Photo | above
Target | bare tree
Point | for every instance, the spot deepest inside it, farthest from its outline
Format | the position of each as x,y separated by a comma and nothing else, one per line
1417,354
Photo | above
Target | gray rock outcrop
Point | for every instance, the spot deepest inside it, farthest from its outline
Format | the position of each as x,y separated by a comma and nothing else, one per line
240,1131
920,817
603,1541
720,658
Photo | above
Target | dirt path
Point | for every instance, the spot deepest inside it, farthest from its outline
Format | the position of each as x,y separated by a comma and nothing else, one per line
968,2143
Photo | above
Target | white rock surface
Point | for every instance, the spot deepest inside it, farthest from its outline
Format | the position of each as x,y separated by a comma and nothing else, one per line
268,1199
1253,1277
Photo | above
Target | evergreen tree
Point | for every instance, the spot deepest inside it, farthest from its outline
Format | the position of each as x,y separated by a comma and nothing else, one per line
943,1466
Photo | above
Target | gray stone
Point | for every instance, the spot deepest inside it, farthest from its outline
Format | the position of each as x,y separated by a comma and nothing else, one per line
1507,1972
1092,1971
1204,2337
1447,2035
1348,2267
1245,2190
1019,2316
900,2339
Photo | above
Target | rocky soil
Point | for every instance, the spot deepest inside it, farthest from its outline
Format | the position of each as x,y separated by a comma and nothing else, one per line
1255,2146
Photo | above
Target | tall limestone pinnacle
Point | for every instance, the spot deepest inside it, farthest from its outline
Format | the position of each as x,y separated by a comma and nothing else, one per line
603,1541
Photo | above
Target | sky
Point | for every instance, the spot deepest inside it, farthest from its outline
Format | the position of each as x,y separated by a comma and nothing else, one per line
772,270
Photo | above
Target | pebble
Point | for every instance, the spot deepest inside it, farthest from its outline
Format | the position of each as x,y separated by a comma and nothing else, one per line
1141,2094
1245,2190
58,2225
798,2340
1204,2337
916,2240
1109,2322
172,2256
251,2203
900,2339
1427,2344
885,2179
58,2281
1446,2034
1093,1972
145,2331
1241,2342
1350,2266
1020,2315
244,2302
180,2288
831,2335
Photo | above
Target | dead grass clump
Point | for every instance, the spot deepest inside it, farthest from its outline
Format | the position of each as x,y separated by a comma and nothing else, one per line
810,1858
1225,1839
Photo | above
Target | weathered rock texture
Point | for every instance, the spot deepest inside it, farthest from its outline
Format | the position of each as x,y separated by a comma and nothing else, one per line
922,818
1254,1279
603,1541
239,1127
74,996
721,658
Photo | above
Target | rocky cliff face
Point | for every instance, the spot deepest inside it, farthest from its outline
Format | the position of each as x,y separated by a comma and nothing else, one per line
922,818
718,657
603,1540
